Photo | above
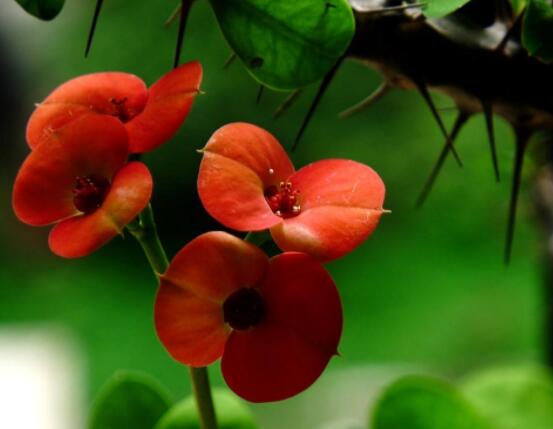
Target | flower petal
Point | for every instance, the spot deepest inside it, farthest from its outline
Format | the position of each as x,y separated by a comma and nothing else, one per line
341,204
121,95
129,194
290,349
191,328
188,312
215,264
240,161
91,145
168,105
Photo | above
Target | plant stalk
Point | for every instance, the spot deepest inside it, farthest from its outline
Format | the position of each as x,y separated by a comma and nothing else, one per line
144,230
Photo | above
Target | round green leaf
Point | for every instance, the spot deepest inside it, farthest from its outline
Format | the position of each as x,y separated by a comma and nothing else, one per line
513,397
231,413
417,402
286,44
439,8
129,400
537,30
43,9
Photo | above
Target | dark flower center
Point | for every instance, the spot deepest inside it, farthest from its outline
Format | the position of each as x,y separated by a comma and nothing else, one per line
283,200
121,110
90,192
244,309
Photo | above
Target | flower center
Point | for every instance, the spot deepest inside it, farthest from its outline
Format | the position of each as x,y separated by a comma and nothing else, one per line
89,192
283,200
244,309
120,110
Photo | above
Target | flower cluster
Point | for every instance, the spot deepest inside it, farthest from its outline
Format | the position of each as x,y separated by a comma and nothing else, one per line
81,136
274,322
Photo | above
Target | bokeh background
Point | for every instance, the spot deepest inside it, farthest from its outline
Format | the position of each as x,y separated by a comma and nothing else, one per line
427,292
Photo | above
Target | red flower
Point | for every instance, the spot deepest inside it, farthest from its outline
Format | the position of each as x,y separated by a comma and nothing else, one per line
79,178
248,183
275,322
151,116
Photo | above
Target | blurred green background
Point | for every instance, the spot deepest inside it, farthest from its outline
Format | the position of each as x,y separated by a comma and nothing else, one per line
428,289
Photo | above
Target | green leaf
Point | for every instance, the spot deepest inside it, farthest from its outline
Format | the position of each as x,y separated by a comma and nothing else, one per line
286,44
231,413
518,6
439,8
417,402
513,397
129,400
43,9
537,30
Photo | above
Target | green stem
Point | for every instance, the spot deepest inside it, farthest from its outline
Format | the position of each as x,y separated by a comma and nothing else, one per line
202,393
144,230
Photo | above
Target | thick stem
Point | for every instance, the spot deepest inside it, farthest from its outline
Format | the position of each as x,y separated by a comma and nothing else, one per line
202,393
145,231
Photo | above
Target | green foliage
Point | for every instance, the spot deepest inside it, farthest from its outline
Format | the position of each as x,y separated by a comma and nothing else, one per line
518,6
439,8
43,9
418,402
537,30
513,397
129,400
231,413
286,44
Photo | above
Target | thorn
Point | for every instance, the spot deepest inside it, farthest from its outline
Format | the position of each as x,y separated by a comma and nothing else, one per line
399,8
501,46
173,15
320,92
184,12
522,138
229,60
488,114
288,101
259,93
430,103
97,10
376,95
460,120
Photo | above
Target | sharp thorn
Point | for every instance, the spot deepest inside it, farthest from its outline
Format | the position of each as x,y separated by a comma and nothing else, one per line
376,95
522,138
460,120
97,10
173,16
510,32
184,12
488,114
259,93
320,92
430,103
287,103
229,60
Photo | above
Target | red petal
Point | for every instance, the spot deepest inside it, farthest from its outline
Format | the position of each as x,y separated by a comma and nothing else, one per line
188,311
91,145
96,92
341,204
129,194
290,349
192,329
241,161
170,101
